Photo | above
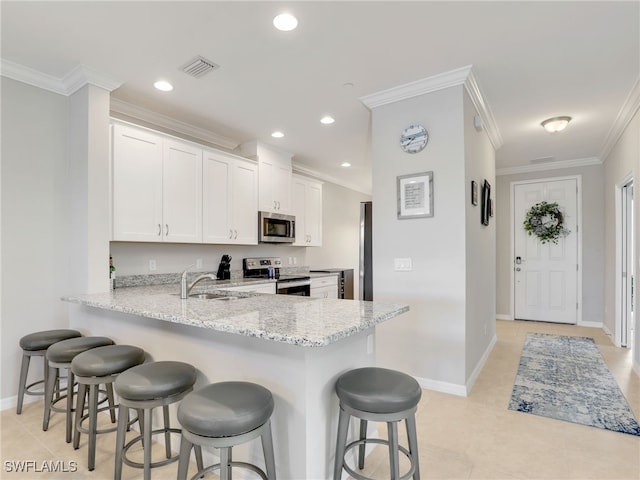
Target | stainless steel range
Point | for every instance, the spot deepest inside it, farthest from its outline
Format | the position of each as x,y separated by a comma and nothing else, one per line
269,267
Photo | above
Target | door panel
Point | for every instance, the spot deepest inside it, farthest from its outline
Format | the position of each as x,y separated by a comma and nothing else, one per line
546,280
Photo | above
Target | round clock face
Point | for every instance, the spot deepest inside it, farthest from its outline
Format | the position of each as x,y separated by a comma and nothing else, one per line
414,138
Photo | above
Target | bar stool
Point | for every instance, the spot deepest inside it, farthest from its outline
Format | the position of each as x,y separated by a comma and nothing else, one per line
223,415
150,385
99,366
59,356
379,395
35,345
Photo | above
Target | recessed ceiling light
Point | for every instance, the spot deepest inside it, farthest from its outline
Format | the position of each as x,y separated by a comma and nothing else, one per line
277,134
163,85
327,120
555,124
285,22
345,164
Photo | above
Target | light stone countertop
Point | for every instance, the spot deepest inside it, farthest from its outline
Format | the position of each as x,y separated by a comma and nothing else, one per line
303,321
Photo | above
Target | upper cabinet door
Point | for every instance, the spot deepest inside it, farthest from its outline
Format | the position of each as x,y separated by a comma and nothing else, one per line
137,185
217,172
313,214
182,192
245,202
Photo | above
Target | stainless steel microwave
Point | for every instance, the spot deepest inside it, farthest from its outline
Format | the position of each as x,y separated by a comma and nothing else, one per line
276,228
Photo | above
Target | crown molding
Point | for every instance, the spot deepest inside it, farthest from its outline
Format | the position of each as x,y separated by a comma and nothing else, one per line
541,167
625,115
460,76
309,172
154,118
77,78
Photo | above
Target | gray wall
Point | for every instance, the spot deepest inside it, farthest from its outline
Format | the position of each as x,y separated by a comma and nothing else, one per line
35,221
623,160
592,239
430,342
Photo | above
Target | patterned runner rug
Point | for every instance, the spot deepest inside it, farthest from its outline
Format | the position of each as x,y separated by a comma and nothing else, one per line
566,378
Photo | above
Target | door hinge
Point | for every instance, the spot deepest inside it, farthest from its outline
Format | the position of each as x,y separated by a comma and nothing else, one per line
577,306
577,267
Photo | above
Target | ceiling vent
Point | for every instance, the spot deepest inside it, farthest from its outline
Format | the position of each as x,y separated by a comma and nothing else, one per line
542,160
199,66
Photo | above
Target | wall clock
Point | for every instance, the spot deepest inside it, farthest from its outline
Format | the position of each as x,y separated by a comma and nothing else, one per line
414,138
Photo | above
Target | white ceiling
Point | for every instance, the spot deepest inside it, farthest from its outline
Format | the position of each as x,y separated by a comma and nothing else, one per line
532,60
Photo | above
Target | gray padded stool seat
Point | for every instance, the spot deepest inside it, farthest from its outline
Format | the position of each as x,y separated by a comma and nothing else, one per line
223,415
150,385
379,395
35,345
99,366
59,356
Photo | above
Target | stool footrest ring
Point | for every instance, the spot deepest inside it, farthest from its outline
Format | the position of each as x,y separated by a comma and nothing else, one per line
380,441
104,430
159,463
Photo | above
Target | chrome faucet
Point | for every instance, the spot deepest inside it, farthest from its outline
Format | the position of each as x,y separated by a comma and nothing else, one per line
185,288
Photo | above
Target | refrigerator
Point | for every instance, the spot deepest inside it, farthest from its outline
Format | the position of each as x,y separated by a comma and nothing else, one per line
345,281
366,251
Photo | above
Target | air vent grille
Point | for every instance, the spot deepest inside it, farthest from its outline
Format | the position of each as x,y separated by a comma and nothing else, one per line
199,66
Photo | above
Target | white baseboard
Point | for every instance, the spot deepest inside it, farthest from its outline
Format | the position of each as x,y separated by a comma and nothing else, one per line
480,365
591,324
12,402
636,368
501,316
443,387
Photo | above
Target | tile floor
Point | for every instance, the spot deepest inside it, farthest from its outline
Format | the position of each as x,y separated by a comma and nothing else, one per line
459,438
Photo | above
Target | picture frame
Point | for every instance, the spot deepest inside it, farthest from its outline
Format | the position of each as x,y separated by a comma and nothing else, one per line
415,195
485,207
474,193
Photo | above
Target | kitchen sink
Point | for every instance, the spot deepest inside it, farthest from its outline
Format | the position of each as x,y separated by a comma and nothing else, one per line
212,296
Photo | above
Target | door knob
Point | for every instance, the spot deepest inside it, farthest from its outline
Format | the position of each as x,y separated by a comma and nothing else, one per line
518,269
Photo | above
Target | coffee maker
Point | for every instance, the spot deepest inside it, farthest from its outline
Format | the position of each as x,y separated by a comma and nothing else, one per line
223,268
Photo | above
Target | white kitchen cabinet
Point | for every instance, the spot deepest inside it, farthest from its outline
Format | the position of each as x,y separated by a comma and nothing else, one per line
274,176
157,187
324,287
230,199
259,288
307,208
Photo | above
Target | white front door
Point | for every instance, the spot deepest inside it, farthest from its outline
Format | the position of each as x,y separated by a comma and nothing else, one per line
546,275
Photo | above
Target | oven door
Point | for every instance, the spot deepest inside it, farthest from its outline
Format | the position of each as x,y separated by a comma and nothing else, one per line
295,287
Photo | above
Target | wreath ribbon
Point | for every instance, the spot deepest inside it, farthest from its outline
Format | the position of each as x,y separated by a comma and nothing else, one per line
545,221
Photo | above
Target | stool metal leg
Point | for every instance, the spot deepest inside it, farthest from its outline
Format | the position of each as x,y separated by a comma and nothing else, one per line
363,445
69,413
267,448
24,371
123,417
185,453
413,444
93,420
111,400
48,396
199,462
167,432
148,428
82,393
225,467
341,442
394,467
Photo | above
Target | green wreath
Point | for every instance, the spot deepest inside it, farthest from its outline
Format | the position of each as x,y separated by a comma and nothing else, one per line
544,220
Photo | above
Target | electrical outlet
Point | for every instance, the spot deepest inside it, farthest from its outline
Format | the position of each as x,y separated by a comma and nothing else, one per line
152,265
295,260
402,264
199,263
290,260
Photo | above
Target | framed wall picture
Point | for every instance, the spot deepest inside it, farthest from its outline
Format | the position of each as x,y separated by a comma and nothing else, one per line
485,207
474,193
415,195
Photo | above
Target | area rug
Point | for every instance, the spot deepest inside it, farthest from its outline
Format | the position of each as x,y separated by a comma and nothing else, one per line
566,378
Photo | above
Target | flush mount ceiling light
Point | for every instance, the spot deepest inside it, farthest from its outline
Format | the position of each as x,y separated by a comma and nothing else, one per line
277,134
555,124
163,85
327,120
285,22
345,164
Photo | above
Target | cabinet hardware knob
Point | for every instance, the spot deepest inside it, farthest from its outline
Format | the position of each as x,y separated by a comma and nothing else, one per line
159,229
235,234
230,234
166,229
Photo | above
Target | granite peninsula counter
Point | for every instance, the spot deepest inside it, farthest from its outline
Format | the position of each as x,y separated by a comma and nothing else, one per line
295,346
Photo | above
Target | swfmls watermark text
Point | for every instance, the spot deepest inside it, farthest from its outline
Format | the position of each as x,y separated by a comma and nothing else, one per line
40,466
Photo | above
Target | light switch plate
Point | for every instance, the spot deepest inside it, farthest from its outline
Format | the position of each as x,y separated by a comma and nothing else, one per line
402,264
152,265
